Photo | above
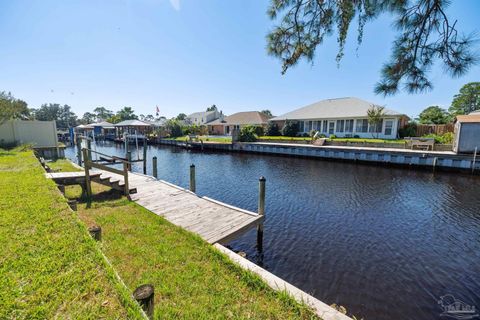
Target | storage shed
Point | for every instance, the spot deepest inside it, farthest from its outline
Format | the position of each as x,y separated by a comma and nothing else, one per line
467,133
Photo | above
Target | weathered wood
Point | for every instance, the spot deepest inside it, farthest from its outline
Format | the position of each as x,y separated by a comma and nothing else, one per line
96,232
79,151
144,155
154,167
88,185
129,159
261,211
192,178
125,179
72,204
145,295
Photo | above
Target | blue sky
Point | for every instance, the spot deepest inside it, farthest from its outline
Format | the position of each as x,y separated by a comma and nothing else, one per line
185,55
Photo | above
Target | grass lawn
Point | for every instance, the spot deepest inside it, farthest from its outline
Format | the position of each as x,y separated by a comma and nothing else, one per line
192,279
353,140
206,139
49,265
283,138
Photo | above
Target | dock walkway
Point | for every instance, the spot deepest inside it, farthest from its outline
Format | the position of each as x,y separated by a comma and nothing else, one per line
212,220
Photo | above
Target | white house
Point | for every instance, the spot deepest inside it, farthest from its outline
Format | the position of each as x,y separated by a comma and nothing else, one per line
344,117
201,118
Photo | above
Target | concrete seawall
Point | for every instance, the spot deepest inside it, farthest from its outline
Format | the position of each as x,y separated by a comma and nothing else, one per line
442,160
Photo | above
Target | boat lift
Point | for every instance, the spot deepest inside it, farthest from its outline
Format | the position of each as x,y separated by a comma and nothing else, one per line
111,159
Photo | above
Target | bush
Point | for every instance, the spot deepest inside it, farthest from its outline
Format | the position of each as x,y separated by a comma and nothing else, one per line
332,136
290,129
247,134
259,131
446,138
410,130
272,129
356,136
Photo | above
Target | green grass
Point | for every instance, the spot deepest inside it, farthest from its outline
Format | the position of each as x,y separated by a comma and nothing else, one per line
192,279
206,139
353,140
49,266
283,138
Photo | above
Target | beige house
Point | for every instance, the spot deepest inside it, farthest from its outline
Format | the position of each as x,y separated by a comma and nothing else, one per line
237,120
344,117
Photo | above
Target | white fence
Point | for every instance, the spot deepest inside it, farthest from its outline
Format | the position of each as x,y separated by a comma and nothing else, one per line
39,133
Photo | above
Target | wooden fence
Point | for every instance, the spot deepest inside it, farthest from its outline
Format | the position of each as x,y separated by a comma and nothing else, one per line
423,129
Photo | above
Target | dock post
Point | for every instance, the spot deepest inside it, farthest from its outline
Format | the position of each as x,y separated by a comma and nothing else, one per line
434,163
96,232
145,155
79,151
474,160
145,297
192,178
154,167
86,164
261,211
129,159
89,147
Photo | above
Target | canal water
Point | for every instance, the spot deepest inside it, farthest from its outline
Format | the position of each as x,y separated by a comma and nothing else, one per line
386,243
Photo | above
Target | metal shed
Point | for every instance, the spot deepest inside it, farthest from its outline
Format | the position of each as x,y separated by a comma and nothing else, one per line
467,133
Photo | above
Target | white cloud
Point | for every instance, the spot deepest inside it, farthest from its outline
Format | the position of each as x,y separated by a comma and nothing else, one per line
175,4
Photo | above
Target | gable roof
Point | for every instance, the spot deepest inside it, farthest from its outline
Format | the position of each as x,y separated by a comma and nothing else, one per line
246,117
132,123
200,114
472,117
334,108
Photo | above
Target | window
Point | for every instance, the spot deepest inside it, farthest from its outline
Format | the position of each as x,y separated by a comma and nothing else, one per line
301,126
388,127
340,125
376,128
362,125
308,126
349,126
325,124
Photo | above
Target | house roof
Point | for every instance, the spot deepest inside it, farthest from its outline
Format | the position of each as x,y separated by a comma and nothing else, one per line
246,117
103,124
334,108
133,123
472,117
200,114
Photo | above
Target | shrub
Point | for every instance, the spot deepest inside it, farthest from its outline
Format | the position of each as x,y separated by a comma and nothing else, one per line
356,136
446,138
290,129
259,131
247,134
272,129
332,136
410,130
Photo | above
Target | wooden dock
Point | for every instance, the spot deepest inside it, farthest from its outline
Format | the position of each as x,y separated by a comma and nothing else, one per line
212,220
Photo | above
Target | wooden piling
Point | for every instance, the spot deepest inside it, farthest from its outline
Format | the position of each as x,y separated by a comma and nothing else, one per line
144,155
89,147
434,163
129,159
192,178
73,204
145,297
96,232
154,167
79,151
88,185
261,211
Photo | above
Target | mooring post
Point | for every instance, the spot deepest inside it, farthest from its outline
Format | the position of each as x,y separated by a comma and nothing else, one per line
192,178
125,140
145,297
96,232
129,159
89,147
72,204
144,155
154,167
261,211
474,160
434,163
79,151
86,164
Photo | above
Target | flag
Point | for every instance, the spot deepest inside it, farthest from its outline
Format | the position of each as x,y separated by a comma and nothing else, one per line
158,110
